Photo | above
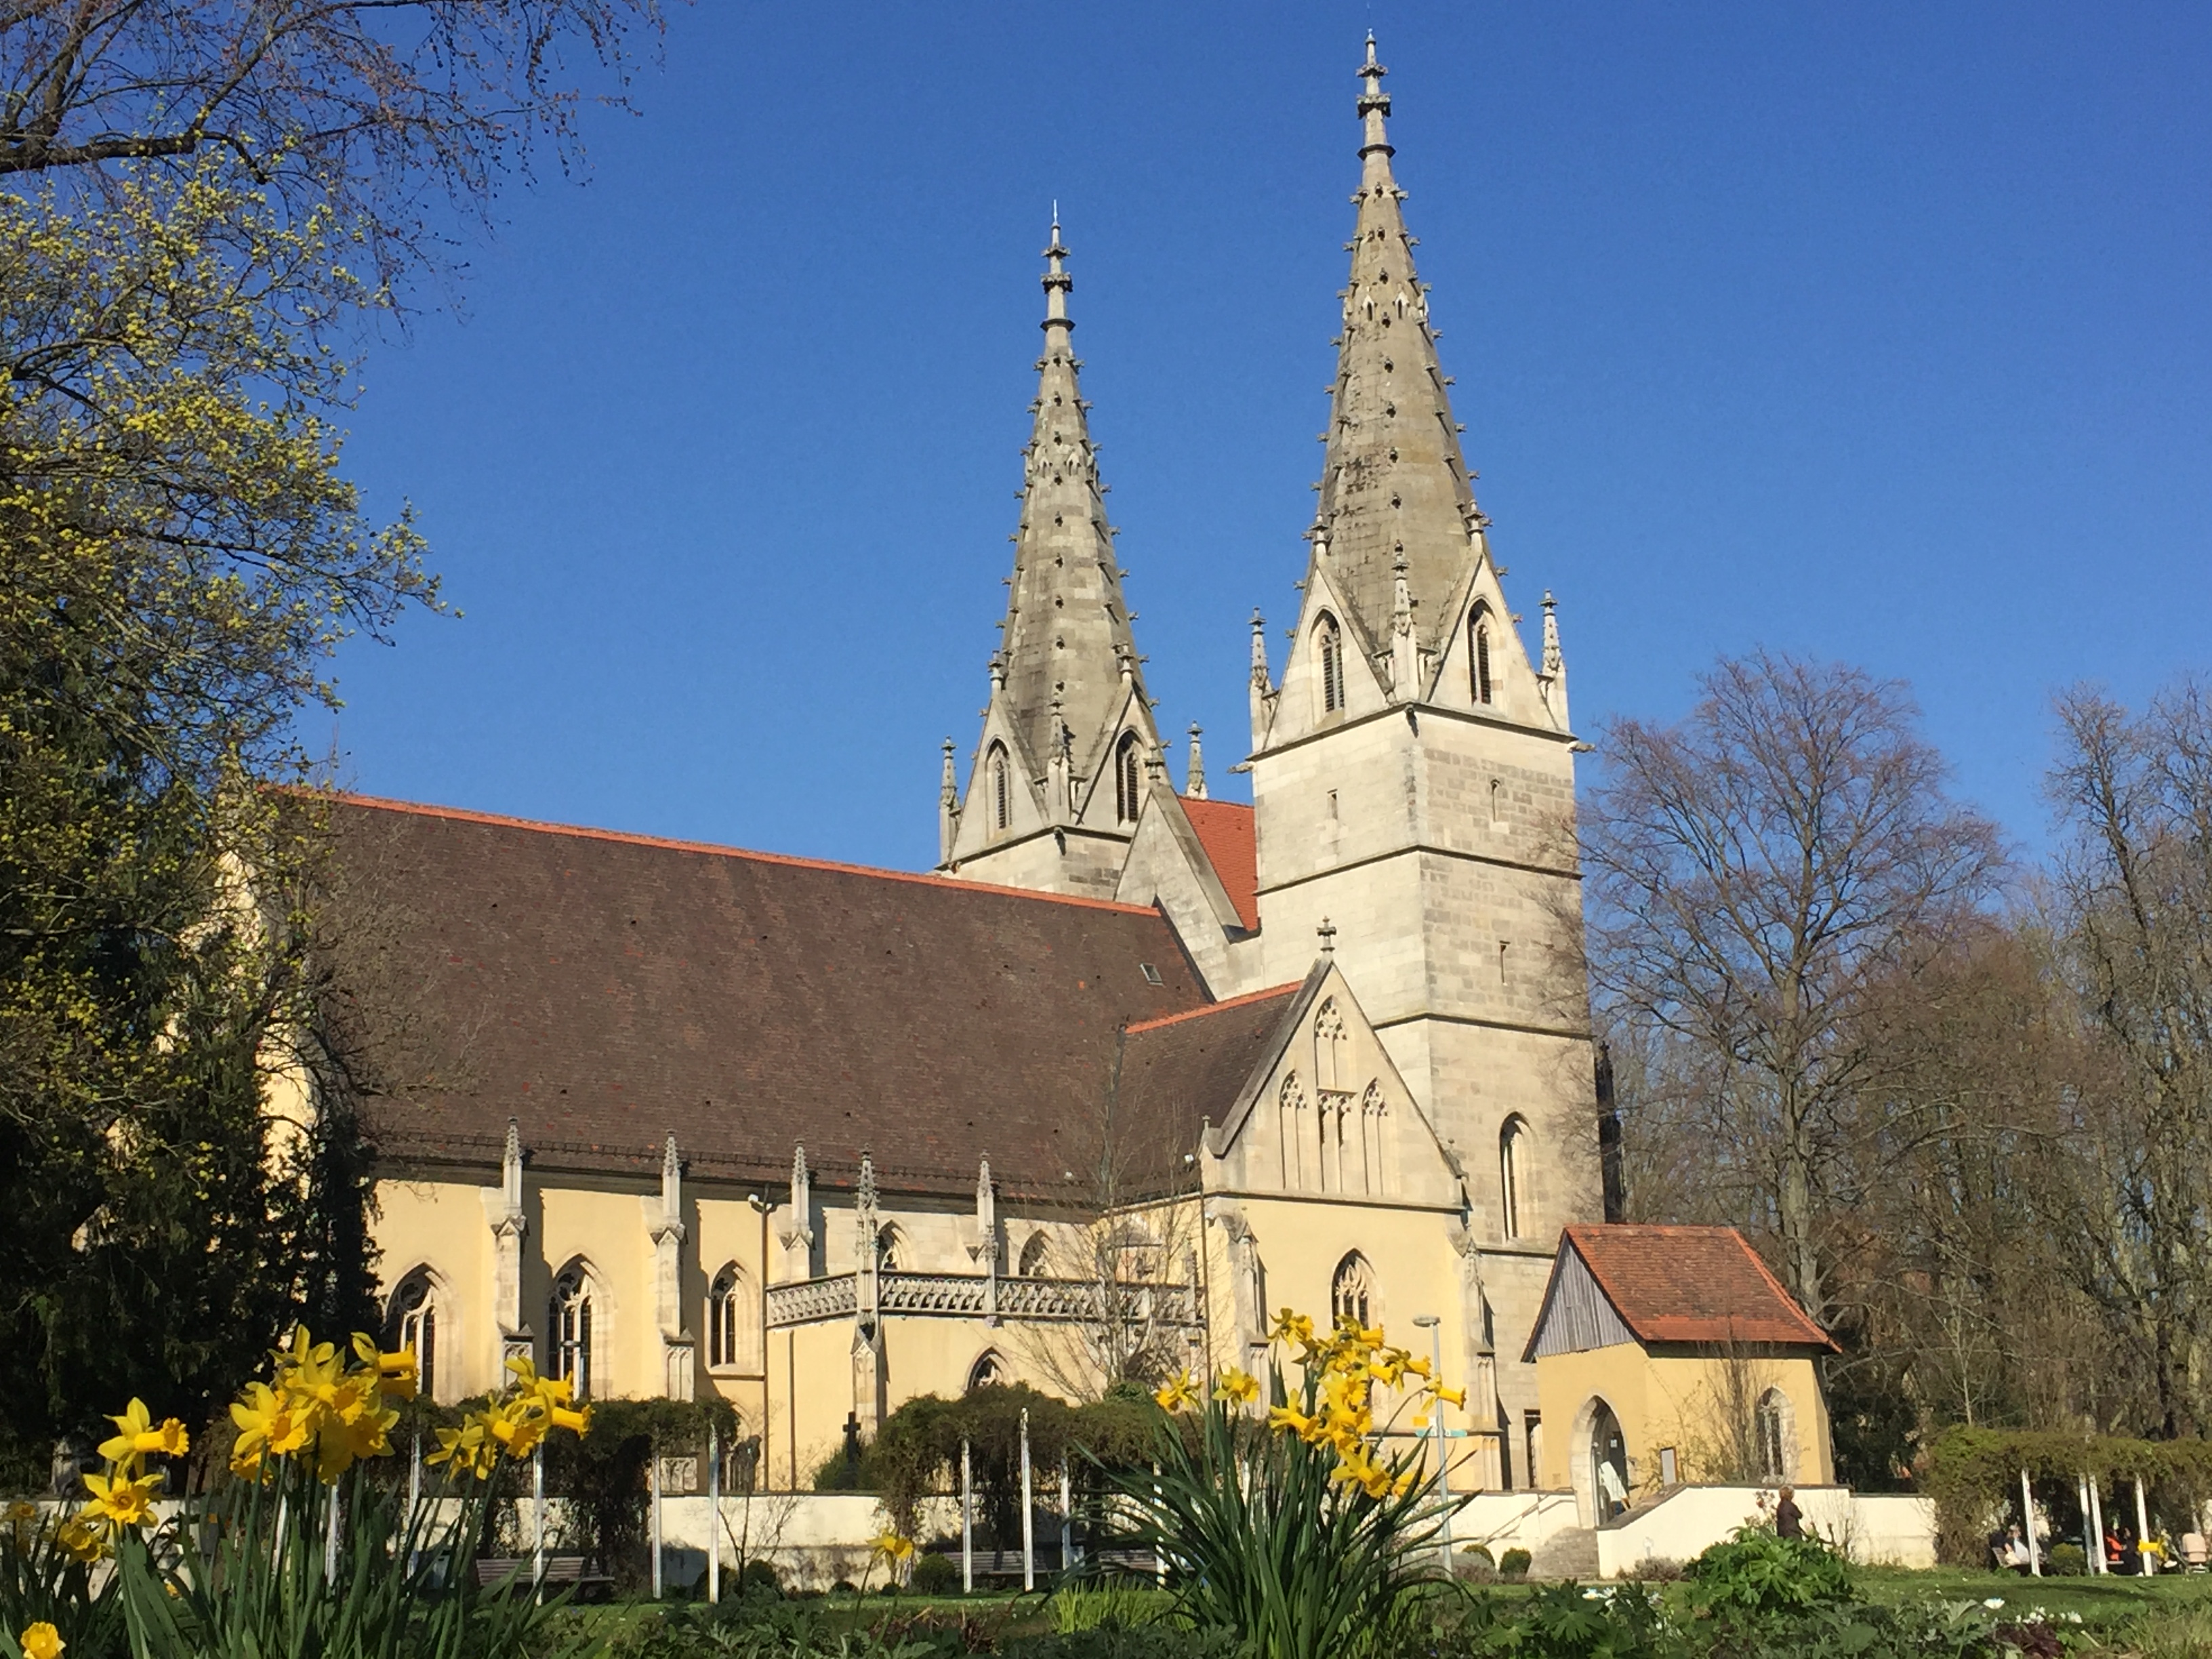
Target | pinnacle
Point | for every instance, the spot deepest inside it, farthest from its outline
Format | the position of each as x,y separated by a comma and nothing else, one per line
1395,485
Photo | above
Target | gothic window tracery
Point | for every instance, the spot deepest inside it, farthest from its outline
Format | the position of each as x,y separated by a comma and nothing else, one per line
989,1372
733,1320
1328,652
1126,779
1512,1155
1291,1106
1477,645
568,1314
413,1324
1032,1262
891,1246
1374,1129
1001,787
1328,1046
1351,1291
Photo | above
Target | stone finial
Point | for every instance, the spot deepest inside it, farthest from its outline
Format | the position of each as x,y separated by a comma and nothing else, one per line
799,1237
1554,658
510,1171
864,1196
1260,652
948,787
987,1212
671,1183
1327,931
1195,777
1057,286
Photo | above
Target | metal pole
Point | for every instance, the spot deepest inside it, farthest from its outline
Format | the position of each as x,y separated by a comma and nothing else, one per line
967,1521
714,1514
1437,1432
2145,1561
1066,1519
331,1537
1029,1519
2027,1525
538,1517
415,1503
656,1523
2097,1562
1160,1561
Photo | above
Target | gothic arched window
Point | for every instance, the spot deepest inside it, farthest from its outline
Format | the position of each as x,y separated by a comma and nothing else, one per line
1513,1151
413,1324
568,1329
1778,1435
989,1372
889,1246
1477,652
733,1318
1351,1291
1329,656
1126,774
1031,1265
1001,785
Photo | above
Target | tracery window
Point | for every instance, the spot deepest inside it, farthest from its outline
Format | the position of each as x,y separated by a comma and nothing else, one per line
1512,1150
890,1246
568,1329
1477,652
415,1325
1351,1291
1032,1262
1001,785
1126,778
1328,651
1777,1436
989,1372
733,1318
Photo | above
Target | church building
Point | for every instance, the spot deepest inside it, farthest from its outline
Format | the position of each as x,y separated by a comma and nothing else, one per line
1130,1070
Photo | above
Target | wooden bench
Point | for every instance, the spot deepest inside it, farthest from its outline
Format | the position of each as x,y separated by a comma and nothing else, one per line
562,1572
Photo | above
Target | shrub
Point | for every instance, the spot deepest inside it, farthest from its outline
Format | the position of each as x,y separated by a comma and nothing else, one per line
1514,1564
1475,1564
2068,1561
1756,1575
760,1578
934,1575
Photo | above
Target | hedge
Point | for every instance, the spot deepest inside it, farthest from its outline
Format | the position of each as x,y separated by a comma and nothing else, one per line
1970,1472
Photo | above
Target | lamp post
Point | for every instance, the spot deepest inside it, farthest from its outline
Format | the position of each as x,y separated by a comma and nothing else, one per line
1434,1325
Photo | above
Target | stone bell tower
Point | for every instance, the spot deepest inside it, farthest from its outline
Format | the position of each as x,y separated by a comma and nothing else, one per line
1413,776
1057,778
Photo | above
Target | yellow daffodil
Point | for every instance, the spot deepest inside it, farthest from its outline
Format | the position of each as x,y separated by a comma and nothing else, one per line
79,1542
267,1426
138,1436
1292,1327
892,1547
468,1449
1239,1386
120,1503
580,1421
40,1641
1179,1395
1289,1418
396,1372
1451,1397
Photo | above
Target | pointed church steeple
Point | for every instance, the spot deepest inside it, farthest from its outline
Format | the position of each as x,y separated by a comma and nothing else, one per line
1395,485
1067,639
1060,766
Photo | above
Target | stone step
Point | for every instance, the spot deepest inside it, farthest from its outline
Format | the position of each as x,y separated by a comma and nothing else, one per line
1571,1553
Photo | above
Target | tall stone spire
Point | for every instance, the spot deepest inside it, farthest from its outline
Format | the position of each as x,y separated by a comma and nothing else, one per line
1067,638
1395,485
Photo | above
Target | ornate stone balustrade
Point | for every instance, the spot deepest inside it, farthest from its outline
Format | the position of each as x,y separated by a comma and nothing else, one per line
966,1296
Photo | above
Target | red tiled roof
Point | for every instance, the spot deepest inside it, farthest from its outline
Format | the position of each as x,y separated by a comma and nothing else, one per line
1691,1285
1224,830
608,990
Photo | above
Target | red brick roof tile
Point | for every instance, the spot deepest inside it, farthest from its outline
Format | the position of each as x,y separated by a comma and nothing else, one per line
1224,829
1691,1285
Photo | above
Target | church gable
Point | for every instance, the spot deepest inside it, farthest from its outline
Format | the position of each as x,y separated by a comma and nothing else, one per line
1331,675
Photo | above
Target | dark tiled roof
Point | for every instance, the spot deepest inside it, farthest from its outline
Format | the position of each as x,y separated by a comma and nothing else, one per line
1180,1072
1691,1285
1224,829
607,990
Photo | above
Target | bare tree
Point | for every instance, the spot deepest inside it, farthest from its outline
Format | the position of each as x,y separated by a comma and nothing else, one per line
1754,870
2134,887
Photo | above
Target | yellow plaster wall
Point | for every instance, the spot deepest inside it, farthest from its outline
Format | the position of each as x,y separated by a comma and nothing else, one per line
1669,1400
441,1225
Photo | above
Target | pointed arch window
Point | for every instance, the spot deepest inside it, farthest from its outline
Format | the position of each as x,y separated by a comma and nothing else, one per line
1032,1262
1351,1291
1001,785
1512,1175
413,1324
568,1329
890,1246
989,1372
1329,656
1477,652
732,1320
1127,774
1777,1436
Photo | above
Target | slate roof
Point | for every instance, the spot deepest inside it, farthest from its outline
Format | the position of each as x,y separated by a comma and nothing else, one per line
1180,1072
1703,1285
1225,831
606,990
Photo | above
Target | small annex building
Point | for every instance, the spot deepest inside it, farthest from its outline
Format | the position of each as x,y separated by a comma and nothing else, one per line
1670,1356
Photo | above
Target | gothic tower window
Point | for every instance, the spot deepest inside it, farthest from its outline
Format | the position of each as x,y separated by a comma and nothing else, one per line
1001,787
732,1320
1126,775
1351,1291
1477,652
1328,654
415,1325
568,1329
1512,1155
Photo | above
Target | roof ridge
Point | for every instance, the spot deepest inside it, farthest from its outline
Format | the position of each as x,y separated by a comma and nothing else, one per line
1214,1007
469,815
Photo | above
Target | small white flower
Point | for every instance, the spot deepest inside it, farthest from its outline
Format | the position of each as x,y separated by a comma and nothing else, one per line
1994,1603
2073,1618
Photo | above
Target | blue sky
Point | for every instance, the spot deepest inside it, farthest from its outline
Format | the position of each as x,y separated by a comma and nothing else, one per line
1876,332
